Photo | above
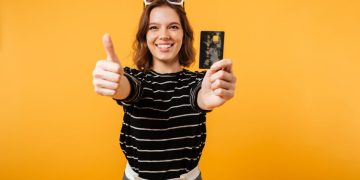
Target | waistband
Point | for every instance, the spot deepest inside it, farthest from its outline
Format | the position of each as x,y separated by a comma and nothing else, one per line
191,175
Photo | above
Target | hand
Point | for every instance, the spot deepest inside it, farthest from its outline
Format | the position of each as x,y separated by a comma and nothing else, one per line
218,85
107,73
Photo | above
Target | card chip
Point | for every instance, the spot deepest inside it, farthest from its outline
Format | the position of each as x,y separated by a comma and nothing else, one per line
215,39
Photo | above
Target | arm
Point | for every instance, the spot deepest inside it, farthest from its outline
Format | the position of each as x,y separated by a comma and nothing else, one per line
123,90
108,75
218,85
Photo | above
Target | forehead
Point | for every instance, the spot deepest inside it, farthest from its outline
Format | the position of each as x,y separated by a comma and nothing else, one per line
164,14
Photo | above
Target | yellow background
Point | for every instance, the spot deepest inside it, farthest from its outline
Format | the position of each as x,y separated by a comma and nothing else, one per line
296,114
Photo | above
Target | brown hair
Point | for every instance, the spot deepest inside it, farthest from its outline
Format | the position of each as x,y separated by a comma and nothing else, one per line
142,54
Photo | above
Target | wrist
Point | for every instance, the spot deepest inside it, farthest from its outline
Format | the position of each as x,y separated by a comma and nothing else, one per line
201,101
123,90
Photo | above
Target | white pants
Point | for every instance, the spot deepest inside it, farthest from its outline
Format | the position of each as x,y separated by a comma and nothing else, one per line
191,175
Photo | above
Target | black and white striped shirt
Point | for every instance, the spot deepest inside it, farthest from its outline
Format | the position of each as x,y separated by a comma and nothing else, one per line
163,132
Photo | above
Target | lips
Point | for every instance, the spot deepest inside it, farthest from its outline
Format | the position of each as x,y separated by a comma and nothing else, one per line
164,46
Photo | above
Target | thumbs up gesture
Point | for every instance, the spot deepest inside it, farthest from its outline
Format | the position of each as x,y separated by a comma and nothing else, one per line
218,85
108,73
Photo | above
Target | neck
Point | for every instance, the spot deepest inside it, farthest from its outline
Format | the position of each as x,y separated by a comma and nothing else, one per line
166,67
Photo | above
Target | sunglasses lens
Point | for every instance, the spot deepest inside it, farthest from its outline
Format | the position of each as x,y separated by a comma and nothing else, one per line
175,1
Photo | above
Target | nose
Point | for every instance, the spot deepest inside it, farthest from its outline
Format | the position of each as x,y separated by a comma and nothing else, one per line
164,35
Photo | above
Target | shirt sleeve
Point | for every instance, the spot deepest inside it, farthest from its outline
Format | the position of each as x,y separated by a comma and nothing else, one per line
194,91
136,88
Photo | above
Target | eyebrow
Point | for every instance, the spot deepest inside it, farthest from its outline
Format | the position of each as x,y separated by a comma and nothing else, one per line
172,23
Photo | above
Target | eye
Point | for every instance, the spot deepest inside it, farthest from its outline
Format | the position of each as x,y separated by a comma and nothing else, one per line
175,27
153,27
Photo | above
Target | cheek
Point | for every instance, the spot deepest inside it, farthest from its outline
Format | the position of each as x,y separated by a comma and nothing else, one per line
179,37
148,42
181,40
149,39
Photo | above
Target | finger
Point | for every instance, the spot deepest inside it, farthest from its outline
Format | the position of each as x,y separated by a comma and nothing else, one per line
105,92
108,66
109,48
226,94
210,72
106,75
222,75
220,84
105,84
225,64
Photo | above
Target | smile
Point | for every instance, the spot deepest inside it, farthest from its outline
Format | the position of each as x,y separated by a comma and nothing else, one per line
164,46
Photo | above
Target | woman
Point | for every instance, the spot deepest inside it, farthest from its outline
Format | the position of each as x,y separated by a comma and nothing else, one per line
163,132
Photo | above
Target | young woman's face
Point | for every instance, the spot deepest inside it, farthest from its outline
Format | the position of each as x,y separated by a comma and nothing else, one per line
164,35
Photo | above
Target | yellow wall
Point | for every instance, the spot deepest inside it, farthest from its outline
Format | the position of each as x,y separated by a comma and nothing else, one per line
296,114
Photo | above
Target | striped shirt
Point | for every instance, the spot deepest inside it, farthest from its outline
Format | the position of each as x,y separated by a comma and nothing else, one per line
163,131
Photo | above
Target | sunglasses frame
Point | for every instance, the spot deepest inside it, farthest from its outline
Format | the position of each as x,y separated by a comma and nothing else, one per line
174,3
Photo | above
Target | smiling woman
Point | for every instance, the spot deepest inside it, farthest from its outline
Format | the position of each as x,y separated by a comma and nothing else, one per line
164,39
176,24
295,114
165,105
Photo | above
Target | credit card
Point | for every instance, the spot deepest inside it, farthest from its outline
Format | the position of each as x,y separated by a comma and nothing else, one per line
211,48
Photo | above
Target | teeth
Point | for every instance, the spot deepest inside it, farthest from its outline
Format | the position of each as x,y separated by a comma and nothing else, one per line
164,46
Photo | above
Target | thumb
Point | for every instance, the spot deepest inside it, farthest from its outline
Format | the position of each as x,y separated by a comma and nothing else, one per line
109,48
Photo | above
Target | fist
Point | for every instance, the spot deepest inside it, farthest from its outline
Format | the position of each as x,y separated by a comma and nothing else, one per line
218,85
107,73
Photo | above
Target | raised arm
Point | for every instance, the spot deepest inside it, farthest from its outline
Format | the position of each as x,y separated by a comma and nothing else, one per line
218,85
108,75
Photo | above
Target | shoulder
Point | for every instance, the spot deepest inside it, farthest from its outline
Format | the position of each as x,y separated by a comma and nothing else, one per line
134,72
130,70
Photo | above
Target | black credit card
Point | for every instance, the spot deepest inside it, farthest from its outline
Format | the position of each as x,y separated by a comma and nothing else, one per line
211,48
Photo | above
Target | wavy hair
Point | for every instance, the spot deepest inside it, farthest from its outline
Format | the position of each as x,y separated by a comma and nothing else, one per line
143,58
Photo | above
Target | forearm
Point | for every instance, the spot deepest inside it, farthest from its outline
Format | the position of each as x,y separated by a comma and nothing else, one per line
123,90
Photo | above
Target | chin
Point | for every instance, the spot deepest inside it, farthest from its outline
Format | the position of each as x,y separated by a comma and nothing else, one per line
166,59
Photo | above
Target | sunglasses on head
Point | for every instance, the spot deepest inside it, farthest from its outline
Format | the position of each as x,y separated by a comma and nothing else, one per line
174,2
